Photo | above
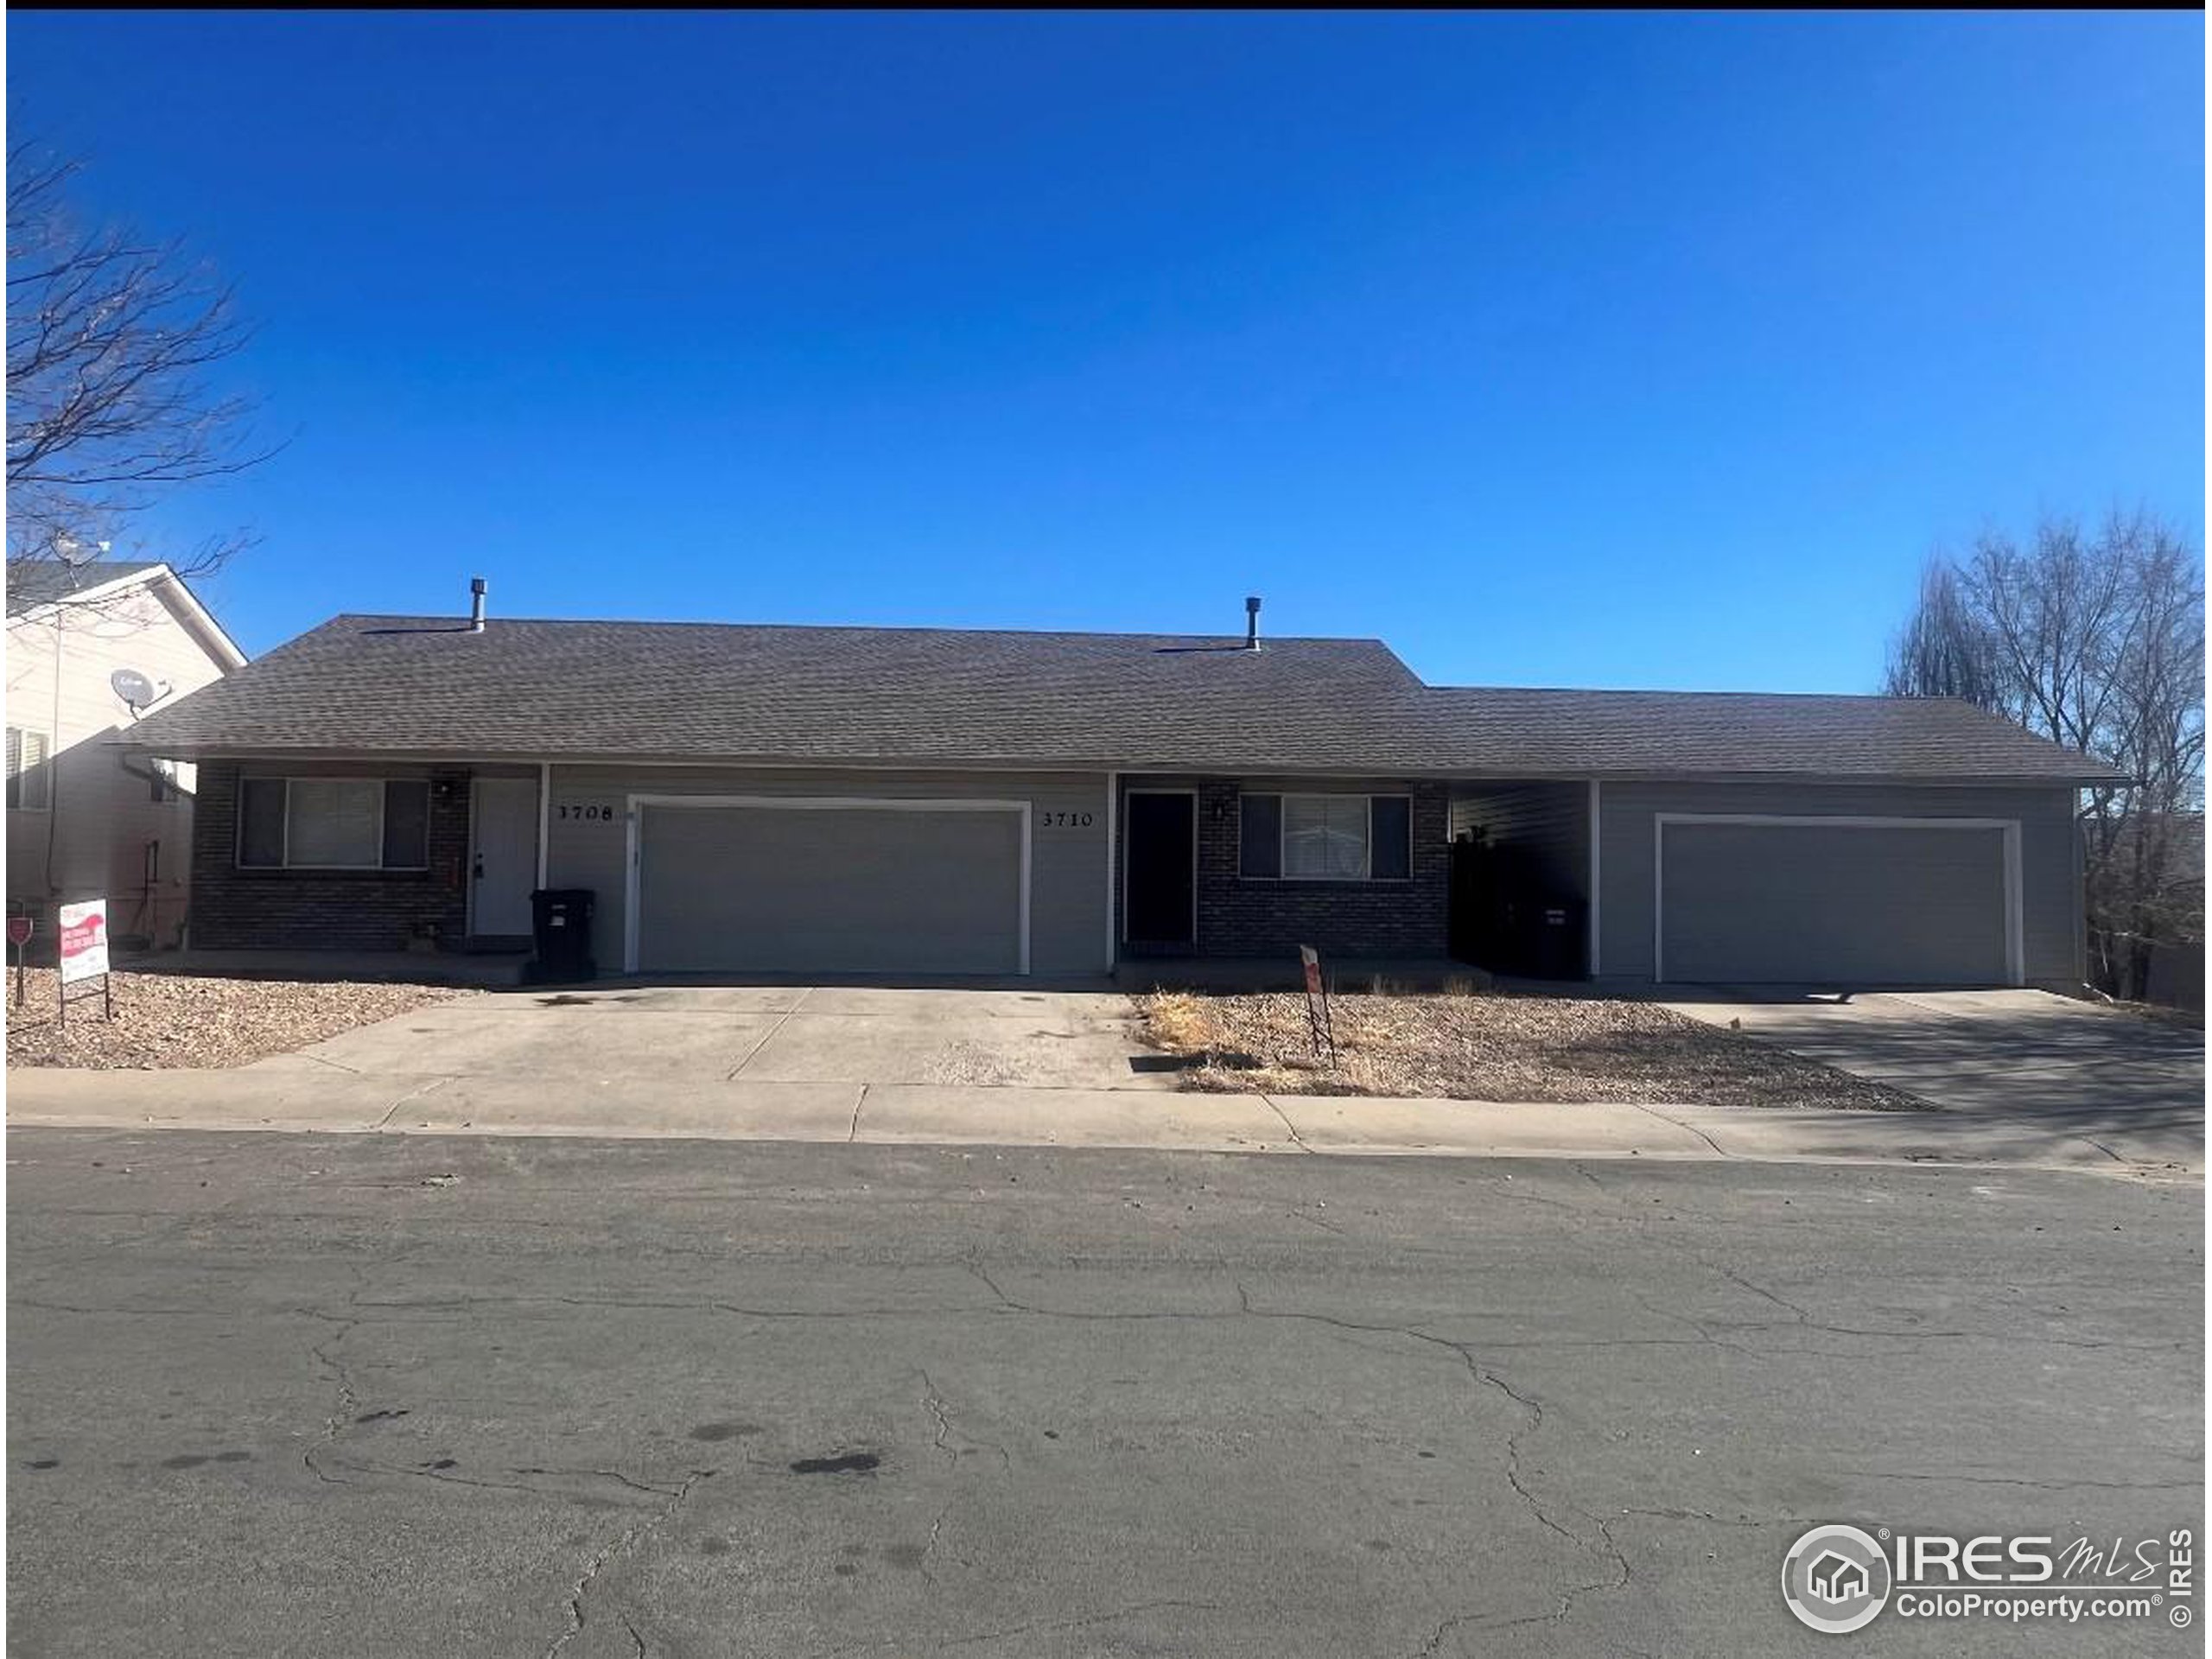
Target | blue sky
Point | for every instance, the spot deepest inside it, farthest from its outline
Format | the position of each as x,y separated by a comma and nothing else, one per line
1606,351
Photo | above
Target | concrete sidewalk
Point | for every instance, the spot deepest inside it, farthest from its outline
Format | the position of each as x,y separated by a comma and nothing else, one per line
323,1100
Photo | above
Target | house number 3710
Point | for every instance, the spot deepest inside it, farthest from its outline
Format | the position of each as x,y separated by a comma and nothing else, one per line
1065,820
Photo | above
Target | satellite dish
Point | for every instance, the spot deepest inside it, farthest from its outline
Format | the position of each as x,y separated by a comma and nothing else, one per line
73,552
133,688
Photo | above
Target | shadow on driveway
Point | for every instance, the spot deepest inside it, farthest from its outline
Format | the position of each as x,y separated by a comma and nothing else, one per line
2037,1062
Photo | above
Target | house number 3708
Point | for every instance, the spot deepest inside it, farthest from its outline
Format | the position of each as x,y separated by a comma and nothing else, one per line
593,814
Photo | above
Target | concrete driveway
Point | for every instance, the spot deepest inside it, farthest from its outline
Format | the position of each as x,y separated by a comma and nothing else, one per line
806,1060
2043,1064
789,1034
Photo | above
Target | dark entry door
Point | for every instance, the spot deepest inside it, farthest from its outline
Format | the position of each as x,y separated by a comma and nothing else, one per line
1162,836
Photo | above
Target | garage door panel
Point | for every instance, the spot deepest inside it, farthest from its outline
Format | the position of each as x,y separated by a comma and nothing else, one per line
1813,904
828,890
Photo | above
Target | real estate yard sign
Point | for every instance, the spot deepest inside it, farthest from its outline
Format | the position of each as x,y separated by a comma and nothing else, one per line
19,934
1316,1003
83,951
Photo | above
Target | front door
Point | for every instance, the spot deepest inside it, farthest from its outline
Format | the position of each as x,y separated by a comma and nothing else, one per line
503,860
1158,851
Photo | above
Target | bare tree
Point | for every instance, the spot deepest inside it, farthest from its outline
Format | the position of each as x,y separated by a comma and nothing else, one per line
2094,639
1941,654
110,342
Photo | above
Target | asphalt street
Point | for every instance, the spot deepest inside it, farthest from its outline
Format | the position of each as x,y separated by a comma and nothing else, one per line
443,1395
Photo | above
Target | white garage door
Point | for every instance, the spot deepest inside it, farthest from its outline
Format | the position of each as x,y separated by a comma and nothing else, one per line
1837,901
831,887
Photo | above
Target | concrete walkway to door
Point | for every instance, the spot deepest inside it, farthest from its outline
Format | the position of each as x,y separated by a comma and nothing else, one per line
2039,1064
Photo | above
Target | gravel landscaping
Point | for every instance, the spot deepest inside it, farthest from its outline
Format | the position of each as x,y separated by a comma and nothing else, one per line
177,1020
1494,1046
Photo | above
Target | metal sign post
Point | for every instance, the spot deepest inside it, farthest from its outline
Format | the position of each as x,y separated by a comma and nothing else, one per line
83,952
1317,1004
19,934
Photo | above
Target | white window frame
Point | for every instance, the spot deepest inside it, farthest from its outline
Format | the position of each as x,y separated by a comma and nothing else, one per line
42,769
237,851
1282,836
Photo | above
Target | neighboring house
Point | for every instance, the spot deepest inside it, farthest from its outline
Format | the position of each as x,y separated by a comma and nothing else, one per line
86,818
813,800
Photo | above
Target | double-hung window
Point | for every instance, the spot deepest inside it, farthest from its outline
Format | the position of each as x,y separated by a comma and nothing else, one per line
333,824
30,779
1327,838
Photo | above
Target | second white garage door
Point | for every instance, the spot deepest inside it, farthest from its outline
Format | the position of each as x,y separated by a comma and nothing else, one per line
831,888
1837,901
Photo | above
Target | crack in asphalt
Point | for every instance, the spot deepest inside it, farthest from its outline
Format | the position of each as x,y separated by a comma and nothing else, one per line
340,1376
1484,1376
938,1410
573,1607
2036,1485
1711,1519
1041,1627
1705,1327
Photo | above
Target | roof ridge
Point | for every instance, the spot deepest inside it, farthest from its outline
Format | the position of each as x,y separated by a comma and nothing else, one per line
848,628
1694,691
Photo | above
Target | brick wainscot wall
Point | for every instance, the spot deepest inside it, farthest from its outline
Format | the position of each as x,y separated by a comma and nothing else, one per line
234,909
1267,918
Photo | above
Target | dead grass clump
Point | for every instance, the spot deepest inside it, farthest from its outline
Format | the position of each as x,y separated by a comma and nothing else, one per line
1177,1022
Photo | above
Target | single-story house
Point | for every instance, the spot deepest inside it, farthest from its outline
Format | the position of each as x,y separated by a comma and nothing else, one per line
912,801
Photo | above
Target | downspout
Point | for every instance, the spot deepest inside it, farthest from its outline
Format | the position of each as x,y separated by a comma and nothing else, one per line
52,762
544,822
1592,916
1113,880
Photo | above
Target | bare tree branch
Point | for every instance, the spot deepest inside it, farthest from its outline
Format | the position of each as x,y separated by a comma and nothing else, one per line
109,342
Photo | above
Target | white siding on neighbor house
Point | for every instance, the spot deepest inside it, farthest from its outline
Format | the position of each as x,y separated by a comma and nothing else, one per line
94,840
2049,886
588,838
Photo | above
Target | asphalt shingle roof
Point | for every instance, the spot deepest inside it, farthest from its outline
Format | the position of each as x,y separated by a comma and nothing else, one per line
428,686
41,582
1506,729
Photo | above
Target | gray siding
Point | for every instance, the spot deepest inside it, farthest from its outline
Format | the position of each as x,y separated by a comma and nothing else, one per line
1549,822
1068,855
2049,886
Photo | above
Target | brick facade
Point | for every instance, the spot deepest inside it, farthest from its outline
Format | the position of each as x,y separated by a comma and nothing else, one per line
1271,917
234,909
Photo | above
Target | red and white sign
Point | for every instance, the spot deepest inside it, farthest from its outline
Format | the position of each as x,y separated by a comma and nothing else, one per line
19,930
1310,960
84,940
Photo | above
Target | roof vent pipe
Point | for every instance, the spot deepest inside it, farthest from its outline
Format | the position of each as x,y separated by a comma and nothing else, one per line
476,604
1251,622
